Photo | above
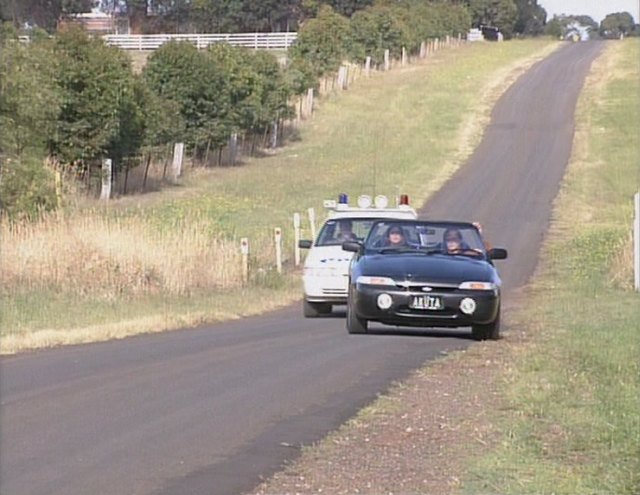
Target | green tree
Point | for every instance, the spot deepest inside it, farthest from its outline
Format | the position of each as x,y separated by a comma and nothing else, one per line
531,18
29,99
41,13
376,29
615,25
27,187
199,86
348,7
322,42
497,13
98,101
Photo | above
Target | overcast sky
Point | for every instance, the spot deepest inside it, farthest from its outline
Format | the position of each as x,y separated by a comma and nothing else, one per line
596,9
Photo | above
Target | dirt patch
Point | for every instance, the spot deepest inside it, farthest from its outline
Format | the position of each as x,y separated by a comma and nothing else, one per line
419,436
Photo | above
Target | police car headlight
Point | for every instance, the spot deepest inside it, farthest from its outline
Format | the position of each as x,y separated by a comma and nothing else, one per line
384,301
467,306
477,286
367,280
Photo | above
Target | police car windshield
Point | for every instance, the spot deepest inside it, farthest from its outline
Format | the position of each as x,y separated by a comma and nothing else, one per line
335,232
385,236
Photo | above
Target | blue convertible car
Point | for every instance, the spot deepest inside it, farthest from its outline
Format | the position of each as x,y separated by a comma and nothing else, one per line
424,274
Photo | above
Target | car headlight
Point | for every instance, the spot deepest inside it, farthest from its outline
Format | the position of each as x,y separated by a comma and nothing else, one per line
372,280
468,306
477,286
384,301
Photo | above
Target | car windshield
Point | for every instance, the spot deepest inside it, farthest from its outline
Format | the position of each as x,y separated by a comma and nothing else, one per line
387,237
336,231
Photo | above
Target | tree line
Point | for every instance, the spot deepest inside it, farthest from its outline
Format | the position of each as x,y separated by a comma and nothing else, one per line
230,16
72,100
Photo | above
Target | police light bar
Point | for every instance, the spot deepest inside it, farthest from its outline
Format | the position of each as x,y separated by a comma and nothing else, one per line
381,201
364,201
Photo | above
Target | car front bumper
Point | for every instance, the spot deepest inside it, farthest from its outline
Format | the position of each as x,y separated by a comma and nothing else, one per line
330,288
364,303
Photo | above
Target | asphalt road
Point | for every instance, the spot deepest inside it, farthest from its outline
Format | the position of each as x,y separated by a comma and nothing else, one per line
211,410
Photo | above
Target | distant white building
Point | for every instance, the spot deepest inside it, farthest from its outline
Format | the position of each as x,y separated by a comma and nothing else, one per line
578,32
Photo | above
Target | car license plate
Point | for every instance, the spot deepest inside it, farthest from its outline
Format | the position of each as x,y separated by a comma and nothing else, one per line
426,302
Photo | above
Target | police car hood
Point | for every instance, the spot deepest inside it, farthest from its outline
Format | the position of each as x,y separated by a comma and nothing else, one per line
436,268
328,257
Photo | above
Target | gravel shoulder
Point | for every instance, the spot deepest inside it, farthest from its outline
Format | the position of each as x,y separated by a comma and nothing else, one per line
420,435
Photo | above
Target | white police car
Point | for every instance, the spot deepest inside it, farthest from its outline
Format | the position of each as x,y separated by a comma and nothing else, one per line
326,268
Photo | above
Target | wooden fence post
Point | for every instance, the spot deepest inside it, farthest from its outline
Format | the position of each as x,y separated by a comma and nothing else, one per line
404,56
423,49
636,242
274,134
107,176
278,241
176,168
387,63
233,148
367,66
310,101
244,250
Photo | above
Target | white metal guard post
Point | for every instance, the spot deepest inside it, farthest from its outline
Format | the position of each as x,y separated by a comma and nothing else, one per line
278,241
312,223
636,243
296,238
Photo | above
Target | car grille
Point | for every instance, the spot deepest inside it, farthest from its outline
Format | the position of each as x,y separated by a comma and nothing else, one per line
334,292
418,288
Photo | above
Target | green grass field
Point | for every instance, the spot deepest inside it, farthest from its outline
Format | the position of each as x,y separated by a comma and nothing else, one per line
571,420
403,131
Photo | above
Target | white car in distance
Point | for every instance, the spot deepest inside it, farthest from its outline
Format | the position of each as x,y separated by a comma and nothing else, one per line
326,267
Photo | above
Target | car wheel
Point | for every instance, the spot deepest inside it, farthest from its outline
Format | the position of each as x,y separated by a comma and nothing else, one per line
311,309
355,324
490,331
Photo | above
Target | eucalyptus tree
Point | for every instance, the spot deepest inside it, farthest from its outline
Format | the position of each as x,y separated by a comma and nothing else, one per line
99,113
322,42
200,89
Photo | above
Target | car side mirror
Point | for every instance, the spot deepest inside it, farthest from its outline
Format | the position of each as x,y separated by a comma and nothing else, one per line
497,254
353,246
305,244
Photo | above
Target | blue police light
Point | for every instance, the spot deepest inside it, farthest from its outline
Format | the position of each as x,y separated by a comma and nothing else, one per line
343,199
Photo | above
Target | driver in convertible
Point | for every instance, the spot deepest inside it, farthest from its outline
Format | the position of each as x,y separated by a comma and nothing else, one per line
395,237
453,243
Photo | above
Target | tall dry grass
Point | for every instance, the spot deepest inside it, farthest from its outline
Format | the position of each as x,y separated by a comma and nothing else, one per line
89,253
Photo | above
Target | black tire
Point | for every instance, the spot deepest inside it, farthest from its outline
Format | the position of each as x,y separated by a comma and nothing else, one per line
314,309
355,324
490,331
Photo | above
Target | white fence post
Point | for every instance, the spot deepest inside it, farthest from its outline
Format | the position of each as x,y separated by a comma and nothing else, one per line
278,241
178,152
244,250
387,62
636,243
342,77
296,238
312,223
107,174
367,66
